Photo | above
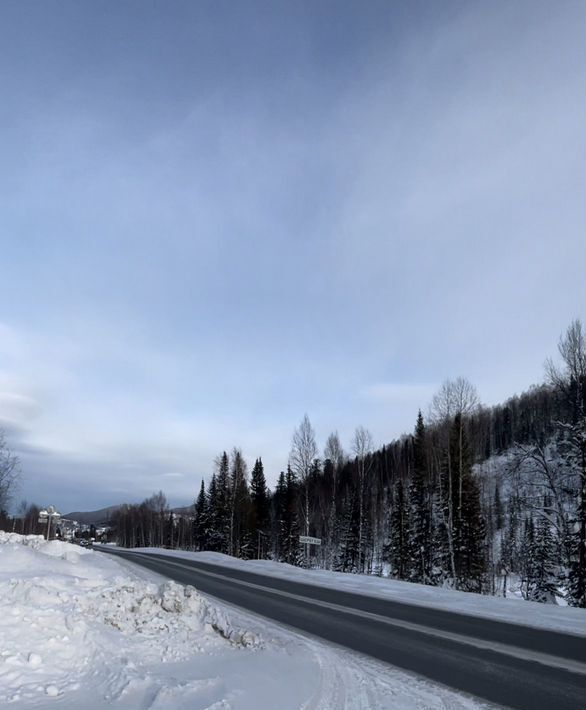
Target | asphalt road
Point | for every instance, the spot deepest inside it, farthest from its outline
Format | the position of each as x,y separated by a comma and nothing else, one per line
507,664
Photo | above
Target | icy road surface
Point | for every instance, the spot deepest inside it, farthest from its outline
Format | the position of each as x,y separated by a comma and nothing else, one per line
516,611
515,665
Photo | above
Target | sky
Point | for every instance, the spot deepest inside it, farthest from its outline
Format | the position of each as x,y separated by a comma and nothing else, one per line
216,217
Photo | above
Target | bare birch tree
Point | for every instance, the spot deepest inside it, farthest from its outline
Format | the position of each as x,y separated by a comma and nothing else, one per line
455,397
333,452
303,454
570,381
9,473
362,447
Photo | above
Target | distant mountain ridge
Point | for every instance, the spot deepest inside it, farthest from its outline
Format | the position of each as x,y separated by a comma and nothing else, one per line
184,510
93,517
103,515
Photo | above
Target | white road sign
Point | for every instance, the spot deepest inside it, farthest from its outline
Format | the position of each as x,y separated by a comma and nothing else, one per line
305,539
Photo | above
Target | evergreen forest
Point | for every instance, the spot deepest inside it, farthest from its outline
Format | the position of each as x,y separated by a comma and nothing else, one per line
481,499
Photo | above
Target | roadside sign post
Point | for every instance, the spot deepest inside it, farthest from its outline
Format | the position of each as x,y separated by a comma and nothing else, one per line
307,540
260,533
46,516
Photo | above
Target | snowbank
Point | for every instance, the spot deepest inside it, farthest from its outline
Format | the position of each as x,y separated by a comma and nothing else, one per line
66,612
513,610
82,629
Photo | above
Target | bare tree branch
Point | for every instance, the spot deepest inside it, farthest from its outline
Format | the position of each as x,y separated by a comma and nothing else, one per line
9,473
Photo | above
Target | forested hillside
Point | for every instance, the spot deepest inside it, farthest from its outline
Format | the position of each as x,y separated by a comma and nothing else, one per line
475,498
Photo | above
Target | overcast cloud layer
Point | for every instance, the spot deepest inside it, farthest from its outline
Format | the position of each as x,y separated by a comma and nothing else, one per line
215,217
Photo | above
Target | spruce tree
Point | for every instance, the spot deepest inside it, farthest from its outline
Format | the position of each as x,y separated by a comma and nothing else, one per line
542,585
239,538
221,510
419,535
201,522
347,557
260,516
399,543
576,591
466,530
279,504
289,523
527,558
214,536
331,521
498,508
471,538
259,495
440,550
512,534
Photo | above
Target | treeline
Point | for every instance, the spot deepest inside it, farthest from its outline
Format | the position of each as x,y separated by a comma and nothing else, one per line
476,497
151,524
26,522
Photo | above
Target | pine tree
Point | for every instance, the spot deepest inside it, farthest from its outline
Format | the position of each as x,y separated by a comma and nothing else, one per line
419,535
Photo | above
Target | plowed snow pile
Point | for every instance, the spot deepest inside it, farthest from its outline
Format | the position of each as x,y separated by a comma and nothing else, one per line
66,612
80,629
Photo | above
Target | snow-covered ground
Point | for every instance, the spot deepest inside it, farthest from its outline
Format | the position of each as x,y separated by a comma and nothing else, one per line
82,629
514,610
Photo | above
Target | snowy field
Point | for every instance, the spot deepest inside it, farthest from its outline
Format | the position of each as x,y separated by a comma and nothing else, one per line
79,629
514,610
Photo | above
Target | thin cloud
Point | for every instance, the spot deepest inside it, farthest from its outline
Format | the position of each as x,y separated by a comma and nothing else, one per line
399,393
325,219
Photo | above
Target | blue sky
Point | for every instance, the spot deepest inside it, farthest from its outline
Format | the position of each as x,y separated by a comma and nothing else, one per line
217,216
